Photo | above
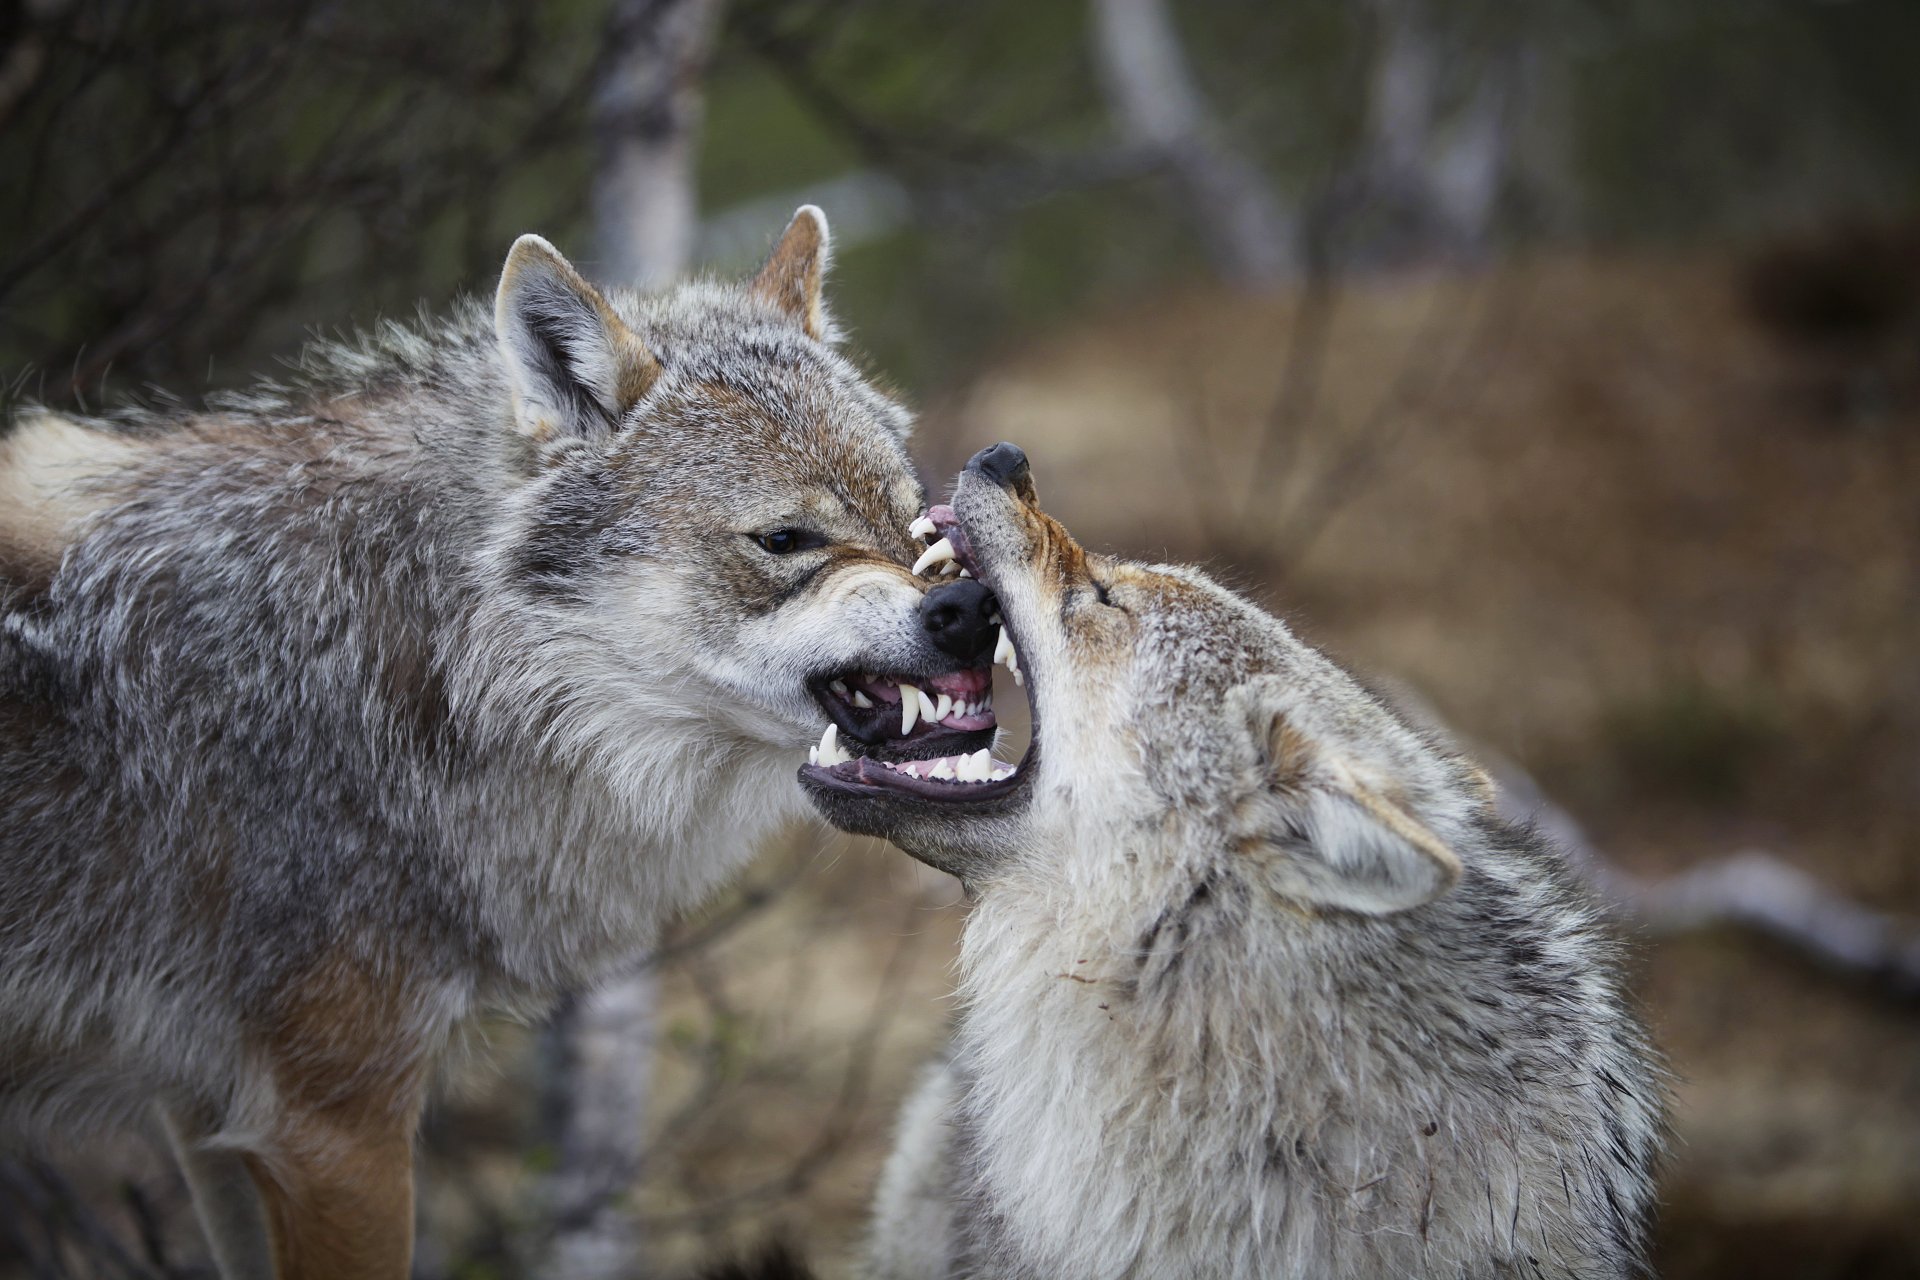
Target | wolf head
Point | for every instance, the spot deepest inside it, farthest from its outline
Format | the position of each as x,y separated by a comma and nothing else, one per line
710,495
1163,702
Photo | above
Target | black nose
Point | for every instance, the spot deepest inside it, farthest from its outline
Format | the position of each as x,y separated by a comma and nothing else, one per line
955,616
1004,464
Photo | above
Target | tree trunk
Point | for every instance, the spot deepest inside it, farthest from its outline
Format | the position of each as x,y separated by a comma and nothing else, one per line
646,125
597,1053
1158,107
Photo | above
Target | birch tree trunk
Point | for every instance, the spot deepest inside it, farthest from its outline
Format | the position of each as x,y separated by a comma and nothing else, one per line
1434,168
1159,108
647,112
597,1053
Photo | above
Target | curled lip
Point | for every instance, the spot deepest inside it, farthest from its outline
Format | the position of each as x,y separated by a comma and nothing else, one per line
869,776
870,726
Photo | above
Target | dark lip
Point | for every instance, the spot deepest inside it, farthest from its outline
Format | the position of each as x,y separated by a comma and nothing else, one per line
864,778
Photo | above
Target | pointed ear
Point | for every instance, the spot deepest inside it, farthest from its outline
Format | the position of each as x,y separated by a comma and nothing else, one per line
574,366
796,272
1328,824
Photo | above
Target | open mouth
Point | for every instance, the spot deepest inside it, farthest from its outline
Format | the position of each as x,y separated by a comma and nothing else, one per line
932,731
906,716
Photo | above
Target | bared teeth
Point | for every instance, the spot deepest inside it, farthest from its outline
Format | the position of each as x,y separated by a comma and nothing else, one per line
922,528
861,700
940,552
943,769
942,709
927,707
909,708
839,687
828,752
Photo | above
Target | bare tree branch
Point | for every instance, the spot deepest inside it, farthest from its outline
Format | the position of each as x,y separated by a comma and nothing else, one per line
1751,890
1160,109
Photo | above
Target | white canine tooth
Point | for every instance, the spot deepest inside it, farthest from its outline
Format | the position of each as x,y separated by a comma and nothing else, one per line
922,528
829,752
813,755
951,569
909,708
1003,649
943,708
839,687
861,700
965,572
940,552
943,769
927,707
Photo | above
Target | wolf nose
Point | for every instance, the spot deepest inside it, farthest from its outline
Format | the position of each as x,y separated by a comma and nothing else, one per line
955,616
1004,464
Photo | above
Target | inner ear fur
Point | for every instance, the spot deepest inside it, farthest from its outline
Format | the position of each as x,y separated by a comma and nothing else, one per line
1328,821
795,275
574,366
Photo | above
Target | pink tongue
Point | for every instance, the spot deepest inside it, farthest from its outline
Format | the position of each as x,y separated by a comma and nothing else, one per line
963,684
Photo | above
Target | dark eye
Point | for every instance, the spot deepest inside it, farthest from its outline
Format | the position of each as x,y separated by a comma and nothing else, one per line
781,542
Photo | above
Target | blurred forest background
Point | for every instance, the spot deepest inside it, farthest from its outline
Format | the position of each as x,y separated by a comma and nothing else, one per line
1556,363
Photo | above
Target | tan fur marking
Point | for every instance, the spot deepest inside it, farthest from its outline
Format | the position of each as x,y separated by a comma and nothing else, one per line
638,370
1289,753
1394,819
343,1048
338,1180
47,466
795,273
340,1205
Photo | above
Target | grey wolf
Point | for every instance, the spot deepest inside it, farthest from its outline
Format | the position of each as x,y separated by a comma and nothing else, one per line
430,683
1257,982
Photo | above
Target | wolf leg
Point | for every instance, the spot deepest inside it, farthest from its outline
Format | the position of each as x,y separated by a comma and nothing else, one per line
225,1200
339,1203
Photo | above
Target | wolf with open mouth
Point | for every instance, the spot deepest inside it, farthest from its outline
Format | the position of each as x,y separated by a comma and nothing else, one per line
1257,983
433,683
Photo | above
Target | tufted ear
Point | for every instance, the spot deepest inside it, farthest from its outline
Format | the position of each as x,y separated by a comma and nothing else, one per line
796,272
1329,820
574,366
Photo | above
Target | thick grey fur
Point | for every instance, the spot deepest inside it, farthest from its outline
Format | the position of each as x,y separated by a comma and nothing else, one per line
380,682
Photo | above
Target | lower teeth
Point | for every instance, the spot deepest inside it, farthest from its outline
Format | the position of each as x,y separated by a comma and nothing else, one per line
978,767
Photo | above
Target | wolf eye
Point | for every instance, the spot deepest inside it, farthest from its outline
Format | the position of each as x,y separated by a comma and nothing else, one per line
782,542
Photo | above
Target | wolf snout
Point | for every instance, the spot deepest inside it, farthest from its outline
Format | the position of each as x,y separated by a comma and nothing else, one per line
956,616
1005,464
